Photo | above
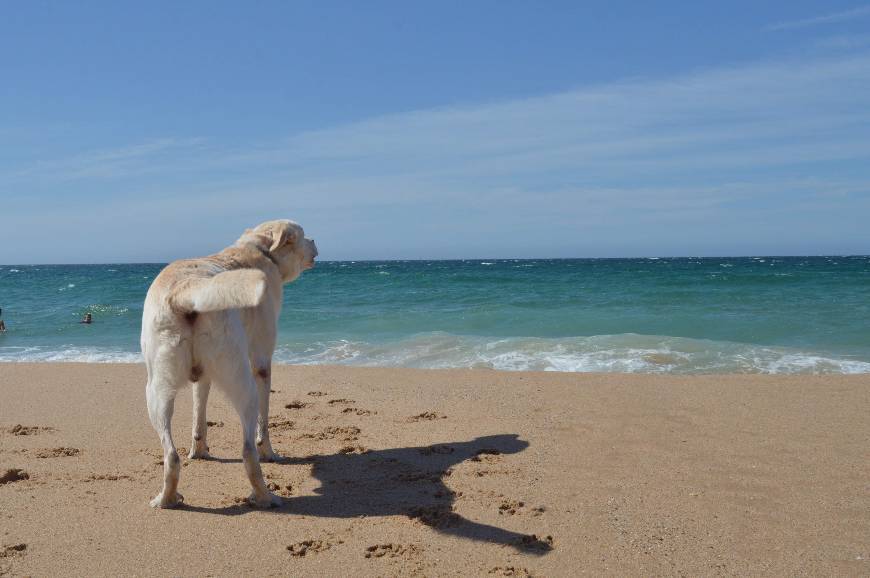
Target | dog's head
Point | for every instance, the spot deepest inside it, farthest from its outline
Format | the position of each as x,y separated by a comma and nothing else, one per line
286,244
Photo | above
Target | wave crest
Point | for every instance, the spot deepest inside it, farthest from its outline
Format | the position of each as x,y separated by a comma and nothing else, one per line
624,353
68,354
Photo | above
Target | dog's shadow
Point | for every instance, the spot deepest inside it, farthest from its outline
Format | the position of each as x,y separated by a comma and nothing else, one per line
401,482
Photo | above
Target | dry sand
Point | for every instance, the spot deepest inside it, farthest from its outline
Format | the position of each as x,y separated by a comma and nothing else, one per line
612,474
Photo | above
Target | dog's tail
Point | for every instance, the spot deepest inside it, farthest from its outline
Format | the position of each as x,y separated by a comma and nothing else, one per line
228,290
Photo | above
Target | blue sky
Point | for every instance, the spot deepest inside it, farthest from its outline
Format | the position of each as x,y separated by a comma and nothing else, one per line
149,132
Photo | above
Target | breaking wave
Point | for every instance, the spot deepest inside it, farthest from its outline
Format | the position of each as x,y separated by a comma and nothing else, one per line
624,353
69,354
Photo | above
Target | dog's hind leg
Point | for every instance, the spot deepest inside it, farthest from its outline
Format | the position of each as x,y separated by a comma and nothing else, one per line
242,392
161,402
199,446
264,387
225,356
223,352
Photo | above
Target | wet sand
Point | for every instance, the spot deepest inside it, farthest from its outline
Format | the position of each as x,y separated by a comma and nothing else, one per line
418,472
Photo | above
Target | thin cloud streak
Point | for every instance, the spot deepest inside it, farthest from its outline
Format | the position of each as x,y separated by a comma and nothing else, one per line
721,153
833,18
111,163
709,115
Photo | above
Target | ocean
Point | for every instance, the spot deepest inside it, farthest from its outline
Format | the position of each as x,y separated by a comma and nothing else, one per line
667,315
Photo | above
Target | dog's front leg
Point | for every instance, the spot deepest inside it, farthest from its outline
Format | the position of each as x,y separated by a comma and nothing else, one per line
264,388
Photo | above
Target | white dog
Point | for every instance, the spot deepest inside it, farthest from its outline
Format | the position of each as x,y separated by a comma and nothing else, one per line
214,321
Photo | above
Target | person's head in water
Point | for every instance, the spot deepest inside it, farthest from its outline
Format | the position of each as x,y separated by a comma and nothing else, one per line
86,318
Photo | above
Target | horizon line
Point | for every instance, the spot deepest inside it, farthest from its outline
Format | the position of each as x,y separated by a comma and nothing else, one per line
653,257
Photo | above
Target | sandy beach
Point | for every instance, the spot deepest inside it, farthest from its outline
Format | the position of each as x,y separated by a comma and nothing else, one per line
455,472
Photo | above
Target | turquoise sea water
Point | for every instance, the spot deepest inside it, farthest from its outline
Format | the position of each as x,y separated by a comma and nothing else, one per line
687,315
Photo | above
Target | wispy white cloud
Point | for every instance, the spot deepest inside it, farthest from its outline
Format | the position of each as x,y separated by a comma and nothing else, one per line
850,42
718,153
123,161
833,18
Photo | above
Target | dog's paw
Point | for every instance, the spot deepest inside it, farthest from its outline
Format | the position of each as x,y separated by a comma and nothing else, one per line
162,501
266,453
267,500
199,453
271,457
198,449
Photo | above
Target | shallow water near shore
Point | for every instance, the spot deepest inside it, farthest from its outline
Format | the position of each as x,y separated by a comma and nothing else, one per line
686,315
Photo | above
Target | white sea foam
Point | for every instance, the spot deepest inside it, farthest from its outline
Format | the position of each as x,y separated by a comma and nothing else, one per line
626,353
629,353
69,353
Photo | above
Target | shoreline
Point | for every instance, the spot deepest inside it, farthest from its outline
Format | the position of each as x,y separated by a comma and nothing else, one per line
482,370
437,472
486,368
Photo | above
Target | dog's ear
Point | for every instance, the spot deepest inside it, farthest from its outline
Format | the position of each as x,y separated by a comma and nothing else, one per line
272,235
281,234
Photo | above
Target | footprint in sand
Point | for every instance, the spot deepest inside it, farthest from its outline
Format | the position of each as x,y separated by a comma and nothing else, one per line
348,434
357,411
106,477
353,450
304,547
486,455
492,472
393,550
29,430
57,452
14,550
532,543
13,475
8,552
447,495
443,450
438,516
281,424
510,507
427,416
297,405
317,393
285,490
510,571
214,423
341,401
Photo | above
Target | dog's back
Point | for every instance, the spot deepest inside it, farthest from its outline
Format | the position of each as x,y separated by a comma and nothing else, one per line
187,288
